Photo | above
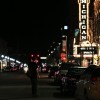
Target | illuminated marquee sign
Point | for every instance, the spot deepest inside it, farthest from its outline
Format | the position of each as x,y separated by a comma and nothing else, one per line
83,20
87,50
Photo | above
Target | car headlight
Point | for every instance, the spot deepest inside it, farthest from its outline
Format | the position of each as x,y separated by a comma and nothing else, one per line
25,69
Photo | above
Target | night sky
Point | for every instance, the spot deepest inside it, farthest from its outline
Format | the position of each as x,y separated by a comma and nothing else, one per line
33,25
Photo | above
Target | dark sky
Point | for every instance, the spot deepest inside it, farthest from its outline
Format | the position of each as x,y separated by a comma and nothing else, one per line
33,25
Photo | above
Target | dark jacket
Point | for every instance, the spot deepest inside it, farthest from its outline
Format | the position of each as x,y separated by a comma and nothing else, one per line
32,71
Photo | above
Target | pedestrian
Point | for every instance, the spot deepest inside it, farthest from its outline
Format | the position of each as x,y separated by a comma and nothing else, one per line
32,73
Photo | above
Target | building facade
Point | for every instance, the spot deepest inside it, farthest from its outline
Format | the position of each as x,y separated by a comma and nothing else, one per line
88,50
97,27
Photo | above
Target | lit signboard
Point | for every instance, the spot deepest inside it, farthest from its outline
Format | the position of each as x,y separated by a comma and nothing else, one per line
43,57
87,50
83,18
83,21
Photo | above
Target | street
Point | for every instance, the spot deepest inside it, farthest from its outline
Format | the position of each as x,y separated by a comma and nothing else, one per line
16,86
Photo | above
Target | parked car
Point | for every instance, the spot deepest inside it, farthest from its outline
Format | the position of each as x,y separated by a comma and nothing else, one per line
14,69
68,82
63,71
7,69
52,71
88,86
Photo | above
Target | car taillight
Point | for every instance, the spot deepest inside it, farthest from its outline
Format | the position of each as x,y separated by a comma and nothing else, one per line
93,80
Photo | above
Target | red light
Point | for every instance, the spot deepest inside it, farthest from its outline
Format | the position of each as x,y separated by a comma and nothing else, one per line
38,55
32,55
36,61
93,79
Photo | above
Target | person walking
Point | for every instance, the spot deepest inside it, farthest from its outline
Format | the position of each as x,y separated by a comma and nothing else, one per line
32,73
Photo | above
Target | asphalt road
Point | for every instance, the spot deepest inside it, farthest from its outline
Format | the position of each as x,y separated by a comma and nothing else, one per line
16,86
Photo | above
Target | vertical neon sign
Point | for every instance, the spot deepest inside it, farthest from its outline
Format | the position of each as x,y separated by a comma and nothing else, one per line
83,19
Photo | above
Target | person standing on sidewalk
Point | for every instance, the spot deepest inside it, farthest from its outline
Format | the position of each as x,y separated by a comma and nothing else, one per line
32,73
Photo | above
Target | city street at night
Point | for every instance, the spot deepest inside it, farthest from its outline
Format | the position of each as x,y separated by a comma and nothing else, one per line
50,50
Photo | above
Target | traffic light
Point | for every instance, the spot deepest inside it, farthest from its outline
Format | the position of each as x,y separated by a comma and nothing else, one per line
38,55
32,58
32,55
